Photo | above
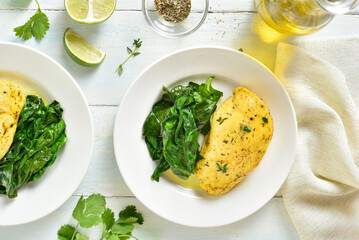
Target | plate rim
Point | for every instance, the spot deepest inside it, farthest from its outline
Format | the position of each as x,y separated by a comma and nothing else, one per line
53,61
187,49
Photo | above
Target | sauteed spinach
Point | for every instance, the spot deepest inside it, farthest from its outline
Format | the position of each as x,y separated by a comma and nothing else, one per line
171,129
39,136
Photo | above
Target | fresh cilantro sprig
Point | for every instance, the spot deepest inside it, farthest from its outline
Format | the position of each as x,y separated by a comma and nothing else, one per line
123,226
36,26
92,211
137,43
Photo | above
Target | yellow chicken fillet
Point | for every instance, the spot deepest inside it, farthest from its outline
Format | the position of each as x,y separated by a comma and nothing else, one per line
241,131
12,102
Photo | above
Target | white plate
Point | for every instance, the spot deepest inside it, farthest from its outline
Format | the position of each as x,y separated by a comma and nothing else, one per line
193,207
60,181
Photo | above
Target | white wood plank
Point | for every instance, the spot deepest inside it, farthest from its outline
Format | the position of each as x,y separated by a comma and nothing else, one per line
215,5
103,175
270,222
102,86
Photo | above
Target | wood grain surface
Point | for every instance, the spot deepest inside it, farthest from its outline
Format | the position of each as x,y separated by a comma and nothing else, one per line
230,23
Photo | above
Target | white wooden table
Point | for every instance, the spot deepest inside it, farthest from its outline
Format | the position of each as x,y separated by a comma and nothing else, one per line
230,23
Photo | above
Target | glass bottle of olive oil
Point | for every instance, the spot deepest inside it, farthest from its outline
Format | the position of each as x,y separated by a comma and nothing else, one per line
299,17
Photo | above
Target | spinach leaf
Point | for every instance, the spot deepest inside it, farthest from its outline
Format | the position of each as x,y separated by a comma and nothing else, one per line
38,138
206,103
162,167
152,125
171,129
180,135
154,145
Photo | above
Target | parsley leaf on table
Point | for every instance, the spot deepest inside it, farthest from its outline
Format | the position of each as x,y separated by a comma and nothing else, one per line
36,26
130,215
88,211
92,211
108,219
81,237
66,232
123,227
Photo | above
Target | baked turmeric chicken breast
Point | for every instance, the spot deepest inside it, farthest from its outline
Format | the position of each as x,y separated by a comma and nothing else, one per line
241,131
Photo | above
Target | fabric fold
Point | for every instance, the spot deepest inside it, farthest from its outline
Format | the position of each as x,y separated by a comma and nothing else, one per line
321,192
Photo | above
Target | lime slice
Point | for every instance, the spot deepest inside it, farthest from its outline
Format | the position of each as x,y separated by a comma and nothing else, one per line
90,11
81,51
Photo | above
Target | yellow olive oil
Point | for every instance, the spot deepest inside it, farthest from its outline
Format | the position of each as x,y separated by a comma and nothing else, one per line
190,183
294,17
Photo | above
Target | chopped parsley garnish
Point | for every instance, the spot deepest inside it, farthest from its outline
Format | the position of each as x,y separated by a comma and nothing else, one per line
221,120
241,49
265,120
246,128
223,168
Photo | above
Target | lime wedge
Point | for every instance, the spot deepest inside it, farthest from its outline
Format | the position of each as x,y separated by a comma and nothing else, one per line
81,51
90,11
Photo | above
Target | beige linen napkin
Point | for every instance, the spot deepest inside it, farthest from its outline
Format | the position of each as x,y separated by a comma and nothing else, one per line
321,192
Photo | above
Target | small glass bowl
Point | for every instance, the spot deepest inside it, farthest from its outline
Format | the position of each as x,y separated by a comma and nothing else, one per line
196,17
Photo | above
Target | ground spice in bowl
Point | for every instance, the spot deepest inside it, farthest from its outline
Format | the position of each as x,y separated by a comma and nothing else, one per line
173,10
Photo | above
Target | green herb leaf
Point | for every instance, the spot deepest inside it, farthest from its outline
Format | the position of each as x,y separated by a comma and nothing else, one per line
265,120
24,31
122,228
81,237
91,211
113,237
108,218
36,26
66,232
130,212
120,70
137,43
221,120
241,49
88,211
246,128
223,168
